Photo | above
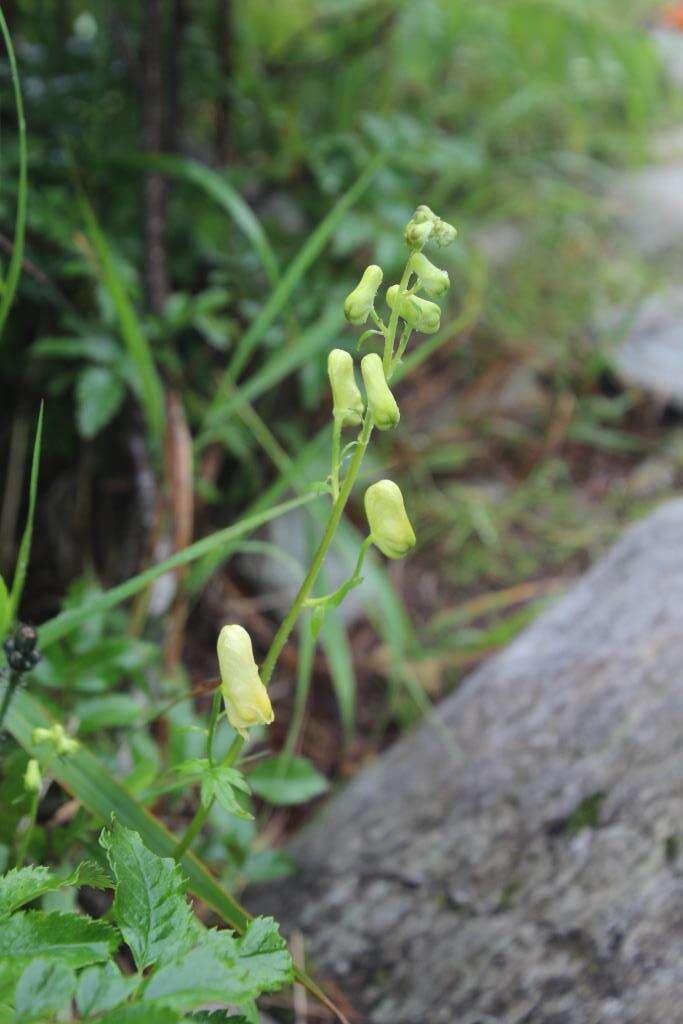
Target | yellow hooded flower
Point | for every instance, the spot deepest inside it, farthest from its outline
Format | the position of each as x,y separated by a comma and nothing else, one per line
347,400
360,301
420,314
246,698
390,527
381,402
433,280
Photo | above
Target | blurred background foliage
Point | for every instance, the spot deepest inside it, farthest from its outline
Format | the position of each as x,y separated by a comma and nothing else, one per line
206,180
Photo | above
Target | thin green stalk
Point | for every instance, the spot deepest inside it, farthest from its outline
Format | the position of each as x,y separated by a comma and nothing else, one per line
288,623
393,324
28,831
336,446
16,260
303,687
12,685
202,813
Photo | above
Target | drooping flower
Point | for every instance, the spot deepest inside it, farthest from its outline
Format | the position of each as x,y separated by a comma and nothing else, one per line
434,281
420,314
360,301
381,403
246,698
390,527
346,398
33,780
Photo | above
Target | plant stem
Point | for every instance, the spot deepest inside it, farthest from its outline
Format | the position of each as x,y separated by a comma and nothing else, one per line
393,323
336,445
288,623
28,832
202,811
12,684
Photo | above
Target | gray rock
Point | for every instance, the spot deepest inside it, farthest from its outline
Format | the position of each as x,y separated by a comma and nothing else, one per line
539,879
649,203
651,355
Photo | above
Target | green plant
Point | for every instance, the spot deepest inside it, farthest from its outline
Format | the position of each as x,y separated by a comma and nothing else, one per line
224,781
53,961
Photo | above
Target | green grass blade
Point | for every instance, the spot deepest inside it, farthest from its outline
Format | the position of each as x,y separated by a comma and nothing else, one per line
335,644
27,536
216,186
282,362
150,390
289,281
14,270
69,620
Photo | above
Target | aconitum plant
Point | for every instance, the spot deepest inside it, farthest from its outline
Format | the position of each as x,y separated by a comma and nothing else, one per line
243,687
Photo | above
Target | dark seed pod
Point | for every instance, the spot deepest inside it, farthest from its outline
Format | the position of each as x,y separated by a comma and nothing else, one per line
25,639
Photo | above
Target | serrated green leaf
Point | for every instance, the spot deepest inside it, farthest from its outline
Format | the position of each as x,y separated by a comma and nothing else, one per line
150,906
287,780
223,968
72,938
21,885
99,394
90,873
10,971
140,1013
102,987
45,987
264,952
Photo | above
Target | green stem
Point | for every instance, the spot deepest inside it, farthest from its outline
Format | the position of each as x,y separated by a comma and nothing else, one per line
12,684
288,623
26,837
303,686
16,259
336,446
202,812
393,323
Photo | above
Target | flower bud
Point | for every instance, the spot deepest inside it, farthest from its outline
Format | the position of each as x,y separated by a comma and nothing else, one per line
246,698
381,403
420,314
33,780
347,399
417,233
359,302
443,233
390,527
58,737
434,281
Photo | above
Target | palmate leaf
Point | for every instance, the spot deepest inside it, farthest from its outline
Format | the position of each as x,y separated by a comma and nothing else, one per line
150,906
225,969
102,987
75,940
219,783
45,987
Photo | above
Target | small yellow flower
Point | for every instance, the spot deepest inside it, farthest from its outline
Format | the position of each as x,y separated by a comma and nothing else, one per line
360,301
434,281
33,780
246,698
381,402
420,314
58,737
347,400
390,527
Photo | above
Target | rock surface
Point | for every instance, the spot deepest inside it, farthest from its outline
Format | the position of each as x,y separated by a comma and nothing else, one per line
540,878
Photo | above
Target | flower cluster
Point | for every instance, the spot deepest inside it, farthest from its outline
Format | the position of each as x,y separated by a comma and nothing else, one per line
390,530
